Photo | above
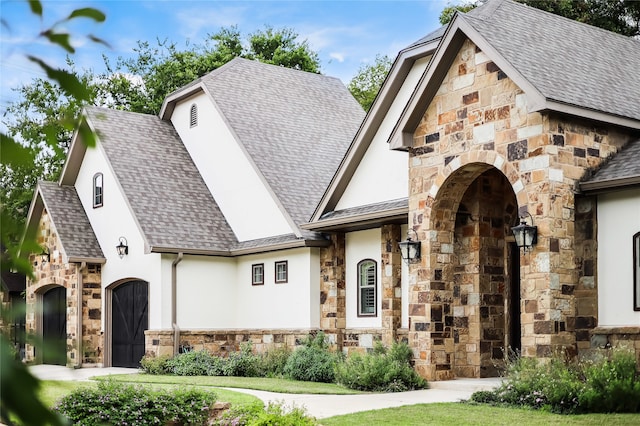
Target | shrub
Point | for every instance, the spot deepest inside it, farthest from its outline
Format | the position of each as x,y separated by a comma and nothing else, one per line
313,362
117,404
381,371
273,414
194,363
242,363
273,361
608,384
155,364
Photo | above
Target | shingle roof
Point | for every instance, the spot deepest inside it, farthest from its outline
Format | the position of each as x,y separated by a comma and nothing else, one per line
369,208
296,126
74,229
162,185
621,170
567,61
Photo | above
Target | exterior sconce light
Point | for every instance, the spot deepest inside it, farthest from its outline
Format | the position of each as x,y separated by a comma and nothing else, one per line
409,249
526,235
123,247
45,256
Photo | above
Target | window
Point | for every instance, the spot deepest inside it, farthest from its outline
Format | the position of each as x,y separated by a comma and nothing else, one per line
257,274
367,288
636,272
282,273
194,115
97,190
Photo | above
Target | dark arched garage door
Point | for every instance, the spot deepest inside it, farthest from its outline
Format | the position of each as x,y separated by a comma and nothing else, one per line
54,326
129,308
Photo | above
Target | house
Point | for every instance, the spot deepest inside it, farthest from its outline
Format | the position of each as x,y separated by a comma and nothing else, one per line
262,204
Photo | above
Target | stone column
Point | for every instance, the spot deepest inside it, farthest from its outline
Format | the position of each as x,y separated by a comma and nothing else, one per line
332,289
391,272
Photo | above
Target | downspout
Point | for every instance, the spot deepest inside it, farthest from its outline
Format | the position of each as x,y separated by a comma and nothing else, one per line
81,269
174,292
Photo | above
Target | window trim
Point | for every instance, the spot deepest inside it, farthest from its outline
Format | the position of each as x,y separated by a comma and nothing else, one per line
375,289
284,263
636,272
254,267
193,115
95,192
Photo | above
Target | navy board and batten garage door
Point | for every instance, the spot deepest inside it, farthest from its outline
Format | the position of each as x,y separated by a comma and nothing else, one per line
54,326
130,312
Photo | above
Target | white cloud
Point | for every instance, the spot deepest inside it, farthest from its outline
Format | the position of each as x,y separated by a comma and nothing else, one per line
337,56
196,22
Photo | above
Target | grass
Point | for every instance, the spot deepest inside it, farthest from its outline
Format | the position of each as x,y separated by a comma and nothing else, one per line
257,383
467,414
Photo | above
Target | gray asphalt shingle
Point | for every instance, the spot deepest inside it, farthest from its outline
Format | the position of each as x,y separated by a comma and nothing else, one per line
72,224
624,165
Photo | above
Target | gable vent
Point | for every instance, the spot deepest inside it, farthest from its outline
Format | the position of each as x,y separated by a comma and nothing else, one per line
194,115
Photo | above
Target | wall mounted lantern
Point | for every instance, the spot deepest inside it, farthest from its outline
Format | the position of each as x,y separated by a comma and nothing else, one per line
410,249
45,256
122,247
526,235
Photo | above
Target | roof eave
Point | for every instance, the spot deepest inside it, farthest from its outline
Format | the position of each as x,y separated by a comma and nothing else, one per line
243,251
610,185
392,84
358,222
169,103
87,259
75,156
591,114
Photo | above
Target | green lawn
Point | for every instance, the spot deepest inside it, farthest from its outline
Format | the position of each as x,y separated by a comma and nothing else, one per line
464,414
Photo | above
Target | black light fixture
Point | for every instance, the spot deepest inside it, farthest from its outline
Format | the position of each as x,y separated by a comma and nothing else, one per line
410,249
45,256
526,235
122,247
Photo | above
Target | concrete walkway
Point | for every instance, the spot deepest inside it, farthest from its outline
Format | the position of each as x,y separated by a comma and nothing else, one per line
319,406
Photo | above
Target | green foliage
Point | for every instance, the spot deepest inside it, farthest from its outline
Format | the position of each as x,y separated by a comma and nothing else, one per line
273,414
367,82
312,362
608,384
273,361
242,363
384,370
155,364
195,363
447,13
112,403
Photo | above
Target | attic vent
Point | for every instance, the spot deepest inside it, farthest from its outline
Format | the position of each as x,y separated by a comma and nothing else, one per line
194,115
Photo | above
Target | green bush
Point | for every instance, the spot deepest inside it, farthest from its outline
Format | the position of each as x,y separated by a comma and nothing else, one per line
242,363
155,364
273,414
273,361
381,371
194,363
313,362
608,384
117,404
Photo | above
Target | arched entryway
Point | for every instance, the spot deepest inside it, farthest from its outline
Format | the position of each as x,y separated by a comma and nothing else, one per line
54,326
129,320
478,302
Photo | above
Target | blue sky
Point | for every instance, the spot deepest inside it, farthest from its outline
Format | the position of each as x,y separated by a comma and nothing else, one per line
346,34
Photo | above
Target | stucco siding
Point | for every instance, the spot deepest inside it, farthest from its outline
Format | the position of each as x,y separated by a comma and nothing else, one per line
359,246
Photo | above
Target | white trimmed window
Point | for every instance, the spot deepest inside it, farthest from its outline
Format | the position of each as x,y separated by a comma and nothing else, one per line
282,272
636,272
193,116
257,274
98,190
367,288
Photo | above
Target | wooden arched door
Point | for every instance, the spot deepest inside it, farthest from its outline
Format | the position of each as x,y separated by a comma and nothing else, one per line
129,320
54,326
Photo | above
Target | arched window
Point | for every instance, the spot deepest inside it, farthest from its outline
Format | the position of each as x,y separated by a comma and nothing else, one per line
194,115
98,190
367,288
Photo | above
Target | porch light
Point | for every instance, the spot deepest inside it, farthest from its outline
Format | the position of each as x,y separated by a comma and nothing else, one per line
122,248
526,235
409,249
45,256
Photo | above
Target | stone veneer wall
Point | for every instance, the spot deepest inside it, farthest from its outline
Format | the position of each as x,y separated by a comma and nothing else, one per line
57,273
478,121
391,285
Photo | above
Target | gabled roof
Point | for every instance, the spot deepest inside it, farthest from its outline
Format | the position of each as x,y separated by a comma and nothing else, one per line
295,126
363,217
170,201
622,171
561,65
74,230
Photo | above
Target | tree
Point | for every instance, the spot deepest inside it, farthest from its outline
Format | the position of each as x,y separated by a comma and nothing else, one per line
620,16
164,68
367,82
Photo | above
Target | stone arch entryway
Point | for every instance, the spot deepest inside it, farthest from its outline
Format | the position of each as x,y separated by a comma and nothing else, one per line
475,308
128,319
54,325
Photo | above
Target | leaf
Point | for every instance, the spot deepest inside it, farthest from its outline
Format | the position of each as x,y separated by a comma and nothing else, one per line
36,7
87,135
61,39
67,81
98,40
13,153
88,12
